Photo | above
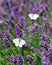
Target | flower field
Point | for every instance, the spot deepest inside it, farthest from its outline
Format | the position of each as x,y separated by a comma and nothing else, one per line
25,32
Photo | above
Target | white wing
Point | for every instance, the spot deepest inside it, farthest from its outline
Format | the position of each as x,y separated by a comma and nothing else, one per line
33,16
19,42
22,42
16,41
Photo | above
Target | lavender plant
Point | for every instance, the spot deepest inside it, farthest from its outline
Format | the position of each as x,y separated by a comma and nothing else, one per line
25,33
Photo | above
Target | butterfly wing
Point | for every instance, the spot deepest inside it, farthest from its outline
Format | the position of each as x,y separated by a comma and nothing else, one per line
16,41
35,16
22,42
30,16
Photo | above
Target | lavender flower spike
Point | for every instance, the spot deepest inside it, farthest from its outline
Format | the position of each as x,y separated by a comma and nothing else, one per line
20,60
12,59
31,61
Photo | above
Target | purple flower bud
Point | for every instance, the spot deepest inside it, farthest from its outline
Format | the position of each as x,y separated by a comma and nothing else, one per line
40,29
44,52
22,7
50,54
24,1
13,3
20,60
10,23
6,42
9,28
47,24
5,4
7,32
18,31
46,20
45,45
34,28
31,48
22,23
50,28
46,6
31,61
42,10
11,16
2,15
34,32
45,61
45,37
17,12
12,59
34,10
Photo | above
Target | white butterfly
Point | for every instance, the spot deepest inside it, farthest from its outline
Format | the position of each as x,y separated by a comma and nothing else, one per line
19,42
33,16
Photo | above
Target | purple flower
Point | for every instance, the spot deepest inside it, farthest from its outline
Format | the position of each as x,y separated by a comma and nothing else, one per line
22,7
18,31
12,59
9,28
32,3
10,23
34,28
46,20
40,29
44,52
2,15
11,16
17,12
31,61
46,6
50,28
36,25
6,42
47,24
14,3
45,37
5,4
34,10
45,45
24,1
7,33
20,60
50,54
14,6
31,48
22,23
34,32
9,4
45,61
42,9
